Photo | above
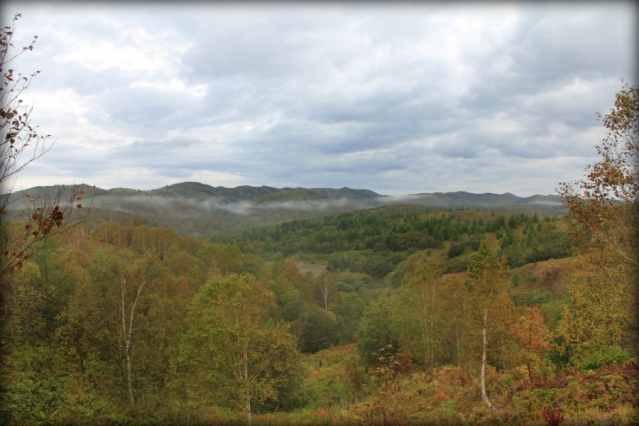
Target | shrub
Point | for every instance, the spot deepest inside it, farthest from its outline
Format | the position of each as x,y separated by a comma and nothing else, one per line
600,356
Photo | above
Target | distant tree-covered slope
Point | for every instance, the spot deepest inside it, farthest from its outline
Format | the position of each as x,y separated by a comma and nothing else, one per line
201,210
467,199
374,241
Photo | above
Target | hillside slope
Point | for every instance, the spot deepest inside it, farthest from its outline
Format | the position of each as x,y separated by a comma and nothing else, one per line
197,209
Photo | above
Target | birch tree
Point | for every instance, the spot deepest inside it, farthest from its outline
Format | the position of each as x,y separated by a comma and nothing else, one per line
420,292
121,283
325,289
485,278
601,323
127,301
231,352
605,205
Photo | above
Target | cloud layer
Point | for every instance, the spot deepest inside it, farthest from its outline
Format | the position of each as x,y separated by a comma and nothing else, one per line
394,98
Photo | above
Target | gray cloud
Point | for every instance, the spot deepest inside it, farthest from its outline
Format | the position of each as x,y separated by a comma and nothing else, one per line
403,99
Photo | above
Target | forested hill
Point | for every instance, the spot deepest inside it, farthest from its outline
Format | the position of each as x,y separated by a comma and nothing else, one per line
221,195
201,210
375,241
468,199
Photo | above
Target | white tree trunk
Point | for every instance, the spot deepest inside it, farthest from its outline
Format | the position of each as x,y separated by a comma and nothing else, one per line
484,397
325,290
249,420
127,334
127,340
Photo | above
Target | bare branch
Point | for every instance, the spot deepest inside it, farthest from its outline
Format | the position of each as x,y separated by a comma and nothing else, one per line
21,145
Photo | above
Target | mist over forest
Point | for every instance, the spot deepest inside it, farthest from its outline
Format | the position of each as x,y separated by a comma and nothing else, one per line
383,296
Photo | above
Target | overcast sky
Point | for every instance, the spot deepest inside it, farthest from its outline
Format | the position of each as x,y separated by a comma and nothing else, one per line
398,99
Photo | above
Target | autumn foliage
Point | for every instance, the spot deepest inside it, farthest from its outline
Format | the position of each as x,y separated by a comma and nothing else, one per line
423,317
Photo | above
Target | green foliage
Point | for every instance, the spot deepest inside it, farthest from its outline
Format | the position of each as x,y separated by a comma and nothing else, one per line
81,374
231,352
598,356
95,322
350,310
456,265
26,307
339,377
353,282
376,331
288,194
375,241
320,330
595,323
462,248
418,317
532,298
325,290
379,265
484,271
515,279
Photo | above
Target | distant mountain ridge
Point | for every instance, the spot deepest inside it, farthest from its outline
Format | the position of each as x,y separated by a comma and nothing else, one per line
197,209
469,199
260,194
200,191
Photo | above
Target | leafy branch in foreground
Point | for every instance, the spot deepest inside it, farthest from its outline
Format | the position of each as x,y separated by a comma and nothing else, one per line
605,205
18,136
20,145
600,325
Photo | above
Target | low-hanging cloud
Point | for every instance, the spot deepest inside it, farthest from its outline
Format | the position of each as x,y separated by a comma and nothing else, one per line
189,207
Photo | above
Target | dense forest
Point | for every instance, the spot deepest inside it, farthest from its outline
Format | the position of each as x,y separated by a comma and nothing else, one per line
391,315
374,241
124,323
207,212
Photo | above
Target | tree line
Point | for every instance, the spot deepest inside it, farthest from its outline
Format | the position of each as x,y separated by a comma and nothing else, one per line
125,323
375,241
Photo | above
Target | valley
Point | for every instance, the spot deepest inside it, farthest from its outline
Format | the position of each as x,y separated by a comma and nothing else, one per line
377,300
204,211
